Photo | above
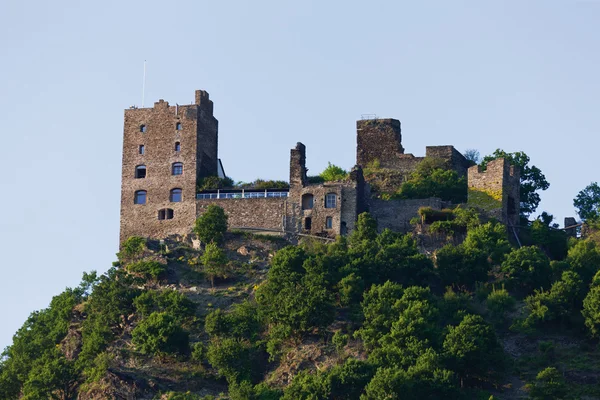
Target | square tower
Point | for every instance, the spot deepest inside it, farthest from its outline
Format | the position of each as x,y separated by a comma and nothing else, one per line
166,149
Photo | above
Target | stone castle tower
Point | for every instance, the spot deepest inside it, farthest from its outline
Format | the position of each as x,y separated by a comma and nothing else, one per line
166,149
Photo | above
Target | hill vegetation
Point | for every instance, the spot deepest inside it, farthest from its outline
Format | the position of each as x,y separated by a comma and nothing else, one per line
370,316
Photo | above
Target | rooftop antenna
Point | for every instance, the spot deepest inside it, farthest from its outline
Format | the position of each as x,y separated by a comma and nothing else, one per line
144,85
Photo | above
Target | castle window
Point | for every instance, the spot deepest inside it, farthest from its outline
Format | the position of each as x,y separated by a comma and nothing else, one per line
177,146
175,196
330,200
140,172
142,128
178,126
140,197
328,223
307,201
165,213
307,223
177,168
141,149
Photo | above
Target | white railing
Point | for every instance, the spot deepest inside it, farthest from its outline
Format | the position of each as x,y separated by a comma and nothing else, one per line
241,195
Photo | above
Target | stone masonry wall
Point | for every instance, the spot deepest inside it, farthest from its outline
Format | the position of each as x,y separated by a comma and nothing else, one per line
495,190
159,139
396,214
266,213
378,139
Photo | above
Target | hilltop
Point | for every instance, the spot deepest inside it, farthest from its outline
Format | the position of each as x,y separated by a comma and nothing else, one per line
370,316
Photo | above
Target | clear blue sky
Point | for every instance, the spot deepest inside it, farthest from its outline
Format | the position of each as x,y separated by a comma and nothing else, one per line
518,75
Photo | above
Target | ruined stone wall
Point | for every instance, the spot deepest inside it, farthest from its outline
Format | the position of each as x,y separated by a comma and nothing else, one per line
378,139
453,158
396,214
207,135
318,213
159,139
266,213
496,190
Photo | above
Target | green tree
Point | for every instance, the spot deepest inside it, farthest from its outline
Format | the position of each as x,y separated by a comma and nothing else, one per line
235,359
52,377
527,268
333,173
532,178
170,301
584,258
215,263
587,202
591,311
211,225
472,348
490,239
457,265
365,229
148,269
159,334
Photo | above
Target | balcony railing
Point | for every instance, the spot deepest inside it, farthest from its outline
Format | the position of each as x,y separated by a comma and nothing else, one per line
241,194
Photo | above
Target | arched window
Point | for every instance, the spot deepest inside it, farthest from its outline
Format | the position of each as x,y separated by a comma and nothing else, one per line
142,128
165,213
177,168
177,146
330,200
328,223
307,201
175,196
178,126
140,197
140,172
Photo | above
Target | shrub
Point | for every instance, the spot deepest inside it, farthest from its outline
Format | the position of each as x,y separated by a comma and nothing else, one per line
211,225
499,302
549,384
160,333
198,352
340,340
333,173
148,269
132,249
234,359
169,300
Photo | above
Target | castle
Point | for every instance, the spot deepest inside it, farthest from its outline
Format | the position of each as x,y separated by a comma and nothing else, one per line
168,149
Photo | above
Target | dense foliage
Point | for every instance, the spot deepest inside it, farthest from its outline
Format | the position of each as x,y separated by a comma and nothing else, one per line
587,202
433,178
369,316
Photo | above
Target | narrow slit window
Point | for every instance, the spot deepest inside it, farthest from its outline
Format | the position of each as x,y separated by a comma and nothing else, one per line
169,213
177,146
140,197
161,214
142,128
140,172
175,196
178,126
328,223
141,149
177,168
